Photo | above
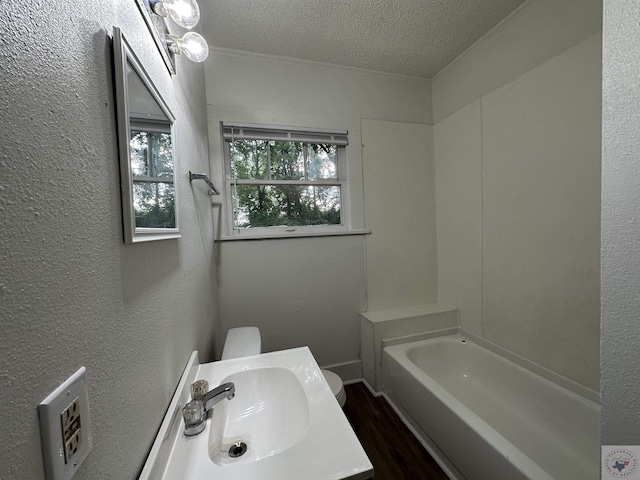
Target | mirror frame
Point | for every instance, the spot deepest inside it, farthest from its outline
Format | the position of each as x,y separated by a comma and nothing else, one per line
123,55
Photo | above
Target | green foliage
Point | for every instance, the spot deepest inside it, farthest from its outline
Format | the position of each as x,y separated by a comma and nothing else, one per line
152,160
155,205
267,205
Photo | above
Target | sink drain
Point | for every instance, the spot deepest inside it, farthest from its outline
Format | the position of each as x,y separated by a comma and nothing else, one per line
237,449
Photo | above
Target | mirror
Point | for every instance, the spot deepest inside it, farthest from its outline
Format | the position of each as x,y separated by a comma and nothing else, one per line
146,148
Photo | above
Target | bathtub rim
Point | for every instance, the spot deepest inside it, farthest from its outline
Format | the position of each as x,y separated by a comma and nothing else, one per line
571,385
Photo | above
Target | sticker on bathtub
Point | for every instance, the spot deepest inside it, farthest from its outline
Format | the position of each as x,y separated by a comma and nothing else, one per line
620,461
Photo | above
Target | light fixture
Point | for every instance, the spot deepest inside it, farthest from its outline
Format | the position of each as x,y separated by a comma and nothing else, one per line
185,13
191,44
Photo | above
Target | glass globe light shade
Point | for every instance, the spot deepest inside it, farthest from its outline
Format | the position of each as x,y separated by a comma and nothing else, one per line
185,13
193,46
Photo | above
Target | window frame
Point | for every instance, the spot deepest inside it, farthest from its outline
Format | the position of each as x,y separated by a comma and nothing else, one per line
302,135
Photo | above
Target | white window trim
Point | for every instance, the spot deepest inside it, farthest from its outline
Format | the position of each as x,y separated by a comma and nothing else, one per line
350,158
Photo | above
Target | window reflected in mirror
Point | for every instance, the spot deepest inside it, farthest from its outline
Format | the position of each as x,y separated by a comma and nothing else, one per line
151,153
145,129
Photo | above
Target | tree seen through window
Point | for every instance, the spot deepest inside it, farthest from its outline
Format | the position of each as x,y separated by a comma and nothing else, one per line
153,188
285,183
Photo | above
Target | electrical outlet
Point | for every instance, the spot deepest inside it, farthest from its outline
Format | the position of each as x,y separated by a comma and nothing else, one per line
70,424
65,427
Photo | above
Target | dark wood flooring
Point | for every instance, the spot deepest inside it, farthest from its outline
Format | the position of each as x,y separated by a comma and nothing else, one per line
393,450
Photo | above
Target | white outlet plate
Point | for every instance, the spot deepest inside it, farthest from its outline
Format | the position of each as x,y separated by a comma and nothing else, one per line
57,412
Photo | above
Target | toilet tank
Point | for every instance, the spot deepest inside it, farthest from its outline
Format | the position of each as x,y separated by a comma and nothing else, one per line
242,342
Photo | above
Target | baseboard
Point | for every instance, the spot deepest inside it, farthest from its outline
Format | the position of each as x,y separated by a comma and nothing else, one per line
349,372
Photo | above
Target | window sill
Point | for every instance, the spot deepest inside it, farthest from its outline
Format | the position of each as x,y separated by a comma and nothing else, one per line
291,235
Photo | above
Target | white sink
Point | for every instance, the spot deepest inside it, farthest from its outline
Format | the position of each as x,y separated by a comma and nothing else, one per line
269,414
283,411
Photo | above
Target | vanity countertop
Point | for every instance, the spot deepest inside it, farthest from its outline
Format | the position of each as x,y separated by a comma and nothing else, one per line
284,411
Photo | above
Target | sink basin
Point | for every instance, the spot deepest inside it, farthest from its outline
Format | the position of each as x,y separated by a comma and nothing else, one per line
269,414
283,421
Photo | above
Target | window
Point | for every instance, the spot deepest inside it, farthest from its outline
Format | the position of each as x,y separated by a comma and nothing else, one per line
152,173
281,181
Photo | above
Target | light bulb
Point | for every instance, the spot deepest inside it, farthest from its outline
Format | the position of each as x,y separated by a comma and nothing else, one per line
185,13
192,45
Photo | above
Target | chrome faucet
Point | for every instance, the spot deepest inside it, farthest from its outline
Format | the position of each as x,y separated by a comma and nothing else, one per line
195,412
211,399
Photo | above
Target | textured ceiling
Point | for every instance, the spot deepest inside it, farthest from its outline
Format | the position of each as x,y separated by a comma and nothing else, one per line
411,37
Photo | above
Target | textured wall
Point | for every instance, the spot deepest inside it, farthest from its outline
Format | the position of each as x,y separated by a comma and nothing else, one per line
620,228
518,185
71,293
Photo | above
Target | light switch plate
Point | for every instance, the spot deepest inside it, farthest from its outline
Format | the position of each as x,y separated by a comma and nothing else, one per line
65,427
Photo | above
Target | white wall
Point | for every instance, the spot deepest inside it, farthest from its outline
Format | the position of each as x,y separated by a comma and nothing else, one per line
536,32
259,82
620,392
458,172
71,292
541,179
304,291
298,292
517,178
400,211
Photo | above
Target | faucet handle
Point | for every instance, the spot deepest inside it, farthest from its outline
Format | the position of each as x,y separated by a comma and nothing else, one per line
199,389
194,417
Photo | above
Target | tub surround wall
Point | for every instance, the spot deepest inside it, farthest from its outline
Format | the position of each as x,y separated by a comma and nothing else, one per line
541,222
400,211
564,382
310,291
458,167
72,293
399,325
620,229
517,195
536,32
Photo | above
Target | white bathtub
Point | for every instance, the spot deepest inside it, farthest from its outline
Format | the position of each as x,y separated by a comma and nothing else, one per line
493,419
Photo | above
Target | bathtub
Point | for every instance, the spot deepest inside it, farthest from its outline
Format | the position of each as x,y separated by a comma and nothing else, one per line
491,418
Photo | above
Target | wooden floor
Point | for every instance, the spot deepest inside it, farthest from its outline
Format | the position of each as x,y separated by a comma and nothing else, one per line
393,450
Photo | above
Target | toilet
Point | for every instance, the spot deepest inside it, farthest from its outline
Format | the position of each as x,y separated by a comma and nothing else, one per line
241,342
245,341
337,387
